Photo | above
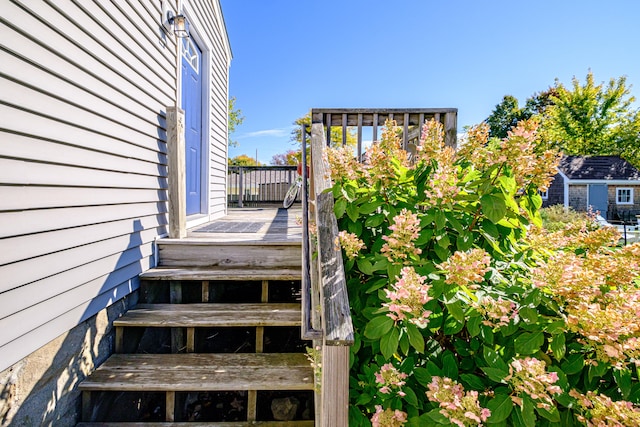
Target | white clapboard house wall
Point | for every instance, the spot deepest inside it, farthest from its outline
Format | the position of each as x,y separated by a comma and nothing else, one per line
85,87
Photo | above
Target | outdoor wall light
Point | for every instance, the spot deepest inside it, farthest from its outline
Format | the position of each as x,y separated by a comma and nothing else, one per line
172,23
180,26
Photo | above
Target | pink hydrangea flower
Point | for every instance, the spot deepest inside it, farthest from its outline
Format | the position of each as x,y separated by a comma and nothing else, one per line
388,417
390,378
408,297
460,407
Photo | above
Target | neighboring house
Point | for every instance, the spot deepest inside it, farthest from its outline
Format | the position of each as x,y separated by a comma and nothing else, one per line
607,184
84,92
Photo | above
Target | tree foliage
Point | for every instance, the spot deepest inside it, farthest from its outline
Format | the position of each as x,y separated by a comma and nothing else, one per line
583,119
504,116
594,119
507,113
291,157
243,160
336,133
235,119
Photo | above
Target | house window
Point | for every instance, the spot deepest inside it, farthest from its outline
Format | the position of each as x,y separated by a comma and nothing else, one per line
624,196
190,53
544,194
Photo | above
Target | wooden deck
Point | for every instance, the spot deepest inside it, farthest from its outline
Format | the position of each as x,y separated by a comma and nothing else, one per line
252,225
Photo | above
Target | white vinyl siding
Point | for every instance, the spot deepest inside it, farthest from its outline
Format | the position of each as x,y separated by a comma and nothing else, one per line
83,168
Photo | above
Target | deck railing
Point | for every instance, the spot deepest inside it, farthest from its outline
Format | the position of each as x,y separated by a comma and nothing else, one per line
324,283
255,185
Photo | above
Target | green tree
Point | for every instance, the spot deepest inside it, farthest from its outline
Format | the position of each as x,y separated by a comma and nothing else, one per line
507,113
594,119
235,119
336,132
243,160
504,116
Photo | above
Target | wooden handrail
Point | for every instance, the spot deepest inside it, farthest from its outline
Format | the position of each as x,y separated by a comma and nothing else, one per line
336,315
324,285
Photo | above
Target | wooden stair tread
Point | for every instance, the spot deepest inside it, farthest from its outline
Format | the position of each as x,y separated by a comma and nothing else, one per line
226,239
202,372
211,315
296,423
223,273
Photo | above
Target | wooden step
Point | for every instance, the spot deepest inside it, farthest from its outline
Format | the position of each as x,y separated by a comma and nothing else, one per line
297,423
212,273
240,255
211,315
202,372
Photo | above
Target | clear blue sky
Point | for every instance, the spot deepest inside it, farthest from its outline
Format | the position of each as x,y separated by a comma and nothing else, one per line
293,55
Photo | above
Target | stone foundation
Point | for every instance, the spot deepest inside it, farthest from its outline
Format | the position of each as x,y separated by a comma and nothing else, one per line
41,389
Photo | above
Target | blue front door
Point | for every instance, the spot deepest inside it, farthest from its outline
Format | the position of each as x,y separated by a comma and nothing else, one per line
192,106
599,198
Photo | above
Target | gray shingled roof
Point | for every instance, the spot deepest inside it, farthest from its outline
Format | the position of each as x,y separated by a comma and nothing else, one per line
598,167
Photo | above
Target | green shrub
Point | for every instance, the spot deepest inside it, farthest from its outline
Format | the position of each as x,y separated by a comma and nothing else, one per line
466,311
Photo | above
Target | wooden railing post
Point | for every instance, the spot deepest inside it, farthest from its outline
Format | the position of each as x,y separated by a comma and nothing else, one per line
176,173
240,187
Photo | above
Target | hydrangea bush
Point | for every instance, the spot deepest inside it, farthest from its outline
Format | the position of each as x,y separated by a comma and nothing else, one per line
467,312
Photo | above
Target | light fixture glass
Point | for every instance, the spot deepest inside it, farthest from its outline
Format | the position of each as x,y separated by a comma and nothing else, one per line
180,26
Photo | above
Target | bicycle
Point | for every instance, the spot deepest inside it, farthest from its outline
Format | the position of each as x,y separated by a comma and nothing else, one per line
292,193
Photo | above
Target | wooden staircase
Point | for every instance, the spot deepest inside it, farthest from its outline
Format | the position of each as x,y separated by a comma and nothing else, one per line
215,341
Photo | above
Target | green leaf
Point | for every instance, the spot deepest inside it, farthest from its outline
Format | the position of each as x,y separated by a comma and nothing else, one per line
495,374
433,369
424,237
464,242
376,284
597,371
378,327
374,220
410,396
527,413
493,207
500,407
422,375
415,337
367,208
472,382
441,252
573,364
558,346
455,309
508,183
528,314
486,333
364,398
339,208
389,343
528,343
450,366
440,220
435,416
353,212
552,414
404,344
623,379
494,360
365,266
452,326
473,325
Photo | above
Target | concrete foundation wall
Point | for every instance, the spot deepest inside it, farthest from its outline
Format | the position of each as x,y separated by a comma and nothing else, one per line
41,389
